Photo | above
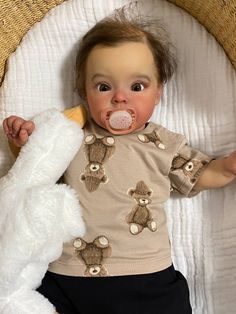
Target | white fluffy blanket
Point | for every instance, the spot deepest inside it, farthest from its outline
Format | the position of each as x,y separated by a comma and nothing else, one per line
37,215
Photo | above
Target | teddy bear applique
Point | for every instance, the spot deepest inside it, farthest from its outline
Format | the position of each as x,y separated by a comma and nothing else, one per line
152,137
191,168
140,217
98,151
92,254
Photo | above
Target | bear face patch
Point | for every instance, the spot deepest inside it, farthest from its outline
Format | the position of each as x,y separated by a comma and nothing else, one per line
97,151
191,168
92,254
140,216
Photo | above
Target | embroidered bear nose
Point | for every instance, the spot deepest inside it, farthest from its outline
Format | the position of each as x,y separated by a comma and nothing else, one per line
94,167
143,201
94,270
189,166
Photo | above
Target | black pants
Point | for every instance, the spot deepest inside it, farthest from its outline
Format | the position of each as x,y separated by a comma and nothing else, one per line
164,292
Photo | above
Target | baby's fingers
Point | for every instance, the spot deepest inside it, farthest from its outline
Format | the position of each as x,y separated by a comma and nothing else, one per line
11,125
22,138
18,130
28,126
16,126
25,131
7,124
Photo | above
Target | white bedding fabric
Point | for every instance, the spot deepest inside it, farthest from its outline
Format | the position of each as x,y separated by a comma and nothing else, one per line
200,102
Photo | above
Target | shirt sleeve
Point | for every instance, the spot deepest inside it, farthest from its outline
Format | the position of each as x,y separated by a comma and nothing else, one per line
187,166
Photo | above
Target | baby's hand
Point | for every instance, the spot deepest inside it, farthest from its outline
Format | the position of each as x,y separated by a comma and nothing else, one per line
230,163
18,130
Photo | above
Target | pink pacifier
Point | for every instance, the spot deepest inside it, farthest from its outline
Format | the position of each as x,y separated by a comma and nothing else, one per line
120,120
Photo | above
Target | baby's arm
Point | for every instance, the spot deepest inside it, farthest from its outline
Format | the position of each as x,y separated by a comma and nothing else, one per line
218,173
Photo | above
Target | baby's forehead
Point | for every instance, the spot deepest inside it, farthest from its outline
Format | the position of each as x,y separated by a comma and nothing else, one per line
121,44
121,52
124,62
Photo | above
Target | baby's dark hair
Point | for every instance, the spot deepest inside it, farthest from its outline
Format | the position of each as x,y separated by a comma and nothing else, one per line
121,27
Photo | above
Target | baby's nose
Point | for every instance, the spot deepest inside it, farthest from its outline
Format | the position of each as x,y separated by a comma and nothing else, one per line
119,97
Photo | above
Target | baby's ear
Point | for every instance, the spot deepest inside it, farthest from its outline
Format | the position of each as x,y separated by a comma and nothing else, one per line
77,114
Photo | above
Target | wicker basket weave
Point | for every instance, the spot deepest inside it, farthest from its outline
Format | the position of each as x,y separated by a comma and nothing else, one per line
17,17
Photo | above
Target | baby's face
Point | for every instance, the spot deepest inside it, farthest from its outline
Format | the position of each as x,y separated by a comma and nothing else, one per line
122,86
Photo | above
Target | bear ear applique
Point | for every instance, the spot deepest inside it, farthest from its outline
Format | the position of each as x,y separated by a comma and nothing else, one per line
130,192
89,139
101,242
79,244
108,140
143,138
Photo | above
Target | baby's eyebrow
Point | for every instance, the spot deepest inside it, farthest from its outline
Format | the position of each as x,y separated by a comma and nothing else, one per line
98,76
135,76
142,77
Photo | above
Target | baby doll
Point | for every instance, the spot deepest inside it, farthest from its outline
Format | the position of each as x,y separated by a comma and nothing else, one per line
123,173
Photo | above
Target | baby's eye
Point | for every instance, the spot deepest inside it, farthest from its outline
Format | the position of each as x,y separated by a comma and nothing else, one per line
103,87
137,87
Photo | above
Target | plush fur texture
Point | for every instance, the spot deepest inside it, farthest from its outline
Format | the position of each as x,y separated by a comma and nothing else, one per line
37,215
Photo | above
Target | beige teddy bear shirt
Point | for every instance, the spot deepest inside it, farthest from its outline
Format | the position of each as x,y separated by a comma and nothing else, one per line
122,183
